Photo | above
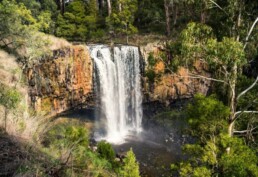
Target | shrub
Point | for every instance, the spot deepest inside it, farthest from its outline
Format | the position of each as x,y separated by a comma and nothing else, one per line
151,75
131,167
106,151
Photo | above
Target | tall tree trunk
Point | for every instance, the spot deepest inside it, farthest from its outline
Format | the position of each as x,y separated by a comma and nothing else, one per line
167,13
101,6
120,7
61,5
232,100
109,7
175,14
232,95
203,16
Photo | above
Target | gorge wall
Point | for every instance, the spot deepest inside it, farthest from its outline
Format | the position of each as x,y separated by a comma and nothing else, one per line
167,88
65,80
62,81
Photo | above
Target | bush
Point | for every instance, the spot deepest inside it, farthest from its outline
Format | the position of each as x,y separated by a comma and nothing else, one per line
106,151
68,145
151,60
151,75
131,167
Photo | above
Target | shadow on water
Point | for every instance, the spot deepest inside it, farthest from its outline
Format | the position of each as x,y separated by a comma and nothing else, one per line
156,147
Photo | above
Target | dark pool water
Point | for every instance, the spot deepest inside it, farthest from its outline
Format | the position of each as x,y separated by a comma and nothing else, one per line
156,147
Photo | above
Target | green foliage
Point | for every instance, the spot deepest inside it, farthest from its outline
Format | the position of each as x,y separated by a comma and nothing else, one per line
32,5
198,43
151,75
44,11
9,97
49,5
44,21
207,116
122,21
210,155
72,23
193,39
147,15
173,49
16,23
93,8
79,22
188,170
151,16
131,167
37,46
67,135
227,52
71,142
106,151
151,60
224,58
19,30
241,161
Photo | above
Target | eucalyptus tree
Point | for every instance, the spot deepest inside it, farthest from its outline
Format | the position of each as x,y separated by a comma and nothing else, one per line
226,52
61,5
121,20
209,155
171,9
225,55
202,7
167,4
16,23
225,58
109,5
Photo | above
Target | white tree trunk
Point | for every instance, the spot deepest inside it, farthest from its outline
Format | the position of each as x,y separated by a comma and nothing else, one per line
232,99
167,12
109,7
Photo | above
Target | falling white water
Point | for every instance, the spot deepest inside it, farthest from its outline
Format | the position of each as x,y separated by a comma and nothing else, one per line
119,85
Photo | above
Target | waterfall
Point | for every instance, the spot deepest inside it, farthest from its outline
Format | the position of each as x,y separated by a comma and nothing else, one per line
118,82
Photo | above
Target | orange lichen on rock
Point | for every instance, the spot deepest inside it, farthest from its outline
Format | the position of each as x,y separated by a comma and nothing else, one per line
159,67
179,85
65,79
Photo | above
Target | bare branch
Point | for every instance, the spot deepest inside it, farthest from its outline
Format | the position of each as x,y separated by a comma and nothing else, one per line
249,88
213,2
242,131
246,131
248,112
192,76
250,31
207,78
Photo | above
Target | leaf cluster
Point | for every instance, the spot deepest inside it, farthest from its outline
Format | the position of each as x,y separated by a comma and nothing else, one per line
214,153
9,97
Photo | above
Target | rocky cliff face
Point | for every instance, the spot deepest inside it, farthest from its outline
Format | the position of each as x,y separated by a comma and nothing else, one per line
61,82
168,88
65,80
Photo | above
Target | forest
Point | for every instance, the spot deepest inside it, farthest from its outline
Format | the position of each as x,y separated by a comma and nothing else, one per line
220,36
